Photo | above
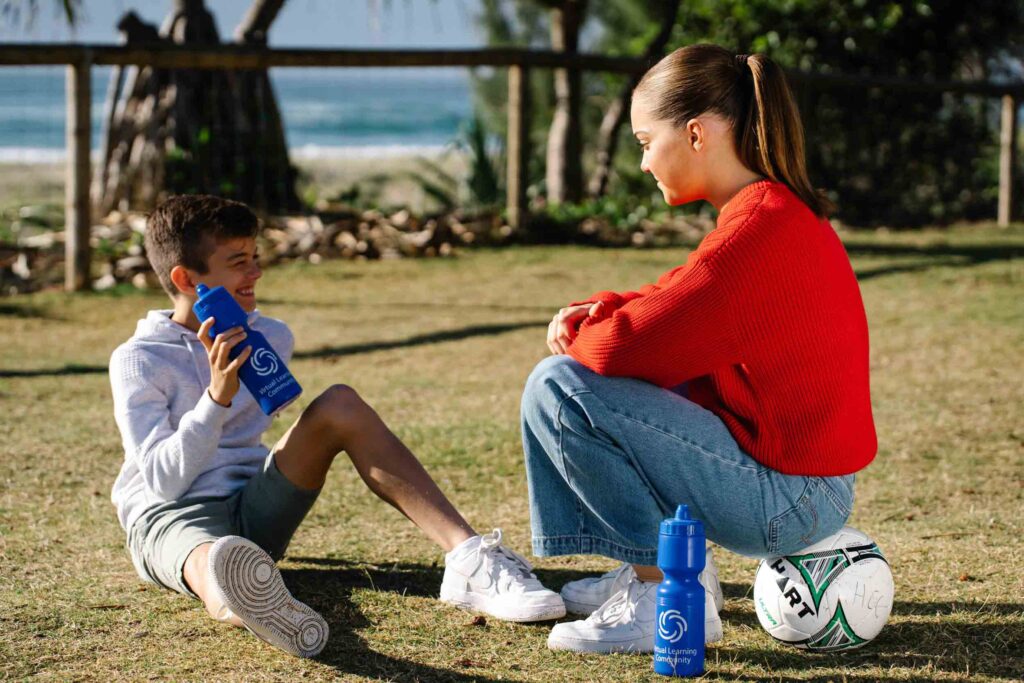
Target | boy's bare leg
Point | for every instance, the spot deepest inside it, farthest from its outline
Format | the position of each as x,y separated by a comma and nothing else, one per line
197,575
339,420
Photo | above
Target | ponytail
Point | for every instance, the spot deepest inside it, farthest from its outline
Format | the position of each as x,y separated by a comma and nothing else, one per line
751,92
771,138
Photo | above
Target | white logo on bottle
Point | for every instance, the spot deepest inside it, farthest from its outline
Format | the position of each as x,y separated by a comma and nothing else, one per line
264,362
671,625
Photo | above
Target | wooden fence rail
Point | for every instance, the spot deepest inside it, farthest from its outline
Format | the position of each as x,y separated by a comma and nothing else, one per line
80,59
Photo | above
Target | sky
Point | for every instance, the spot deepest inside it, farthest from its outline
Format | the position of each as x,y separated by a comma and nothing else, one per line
301,23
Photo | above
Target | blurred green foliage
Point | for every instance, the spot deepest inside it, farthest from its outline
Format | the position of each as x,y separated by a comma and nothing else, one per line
885,155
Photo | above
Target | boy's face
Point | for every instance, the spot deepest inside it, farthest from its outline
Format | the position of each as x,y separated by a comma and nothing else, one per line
234,265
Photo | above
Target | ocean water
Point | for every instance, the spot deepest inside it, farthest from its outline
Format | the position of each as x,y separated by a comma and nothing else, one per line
327,112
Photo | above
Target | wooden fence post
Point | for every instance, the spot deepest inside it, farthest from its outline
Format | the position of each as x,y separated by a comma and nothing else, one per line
77,206
517,148
1007,159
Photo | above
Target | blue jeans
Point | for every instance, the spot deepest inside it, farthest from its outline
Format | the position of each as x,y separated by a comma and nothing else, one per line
607,458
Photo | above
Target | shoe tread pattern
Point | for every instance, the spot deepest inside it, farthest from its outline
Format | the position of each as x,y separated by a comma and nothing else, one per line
253,589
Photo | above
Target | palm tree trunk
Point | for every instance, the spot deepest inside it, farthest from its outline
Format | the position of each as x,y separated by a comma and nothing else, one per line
615,115
565,139
203,131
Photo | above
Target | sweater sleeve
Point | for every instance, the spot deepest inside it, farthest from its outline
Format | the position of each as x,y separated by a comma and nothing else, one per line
168,458
674,331
615,300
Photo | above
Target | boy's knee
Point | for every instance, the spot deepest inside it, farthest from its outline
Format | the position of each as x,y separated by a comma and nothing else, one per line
339,408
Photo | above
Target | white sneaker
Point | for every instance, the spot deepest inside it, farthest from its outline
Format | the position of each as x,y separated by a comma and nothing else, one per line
625,623
586,595
709,579
250,587
483,575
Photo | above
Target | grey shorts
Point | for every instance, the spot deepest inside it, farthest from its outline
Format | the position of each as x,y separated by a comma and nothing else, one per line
267,511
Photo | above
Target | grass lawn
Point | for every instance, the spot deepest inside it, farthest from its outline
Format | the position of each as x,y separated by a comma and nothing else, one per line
441,348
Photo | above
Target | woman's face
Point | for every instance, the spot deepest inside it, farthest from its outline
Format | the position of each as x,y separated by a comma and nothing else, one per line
677,157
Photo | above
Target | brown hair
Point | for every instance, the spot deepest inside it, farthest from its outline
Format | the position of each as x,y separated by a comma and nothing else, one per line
751,92
184,230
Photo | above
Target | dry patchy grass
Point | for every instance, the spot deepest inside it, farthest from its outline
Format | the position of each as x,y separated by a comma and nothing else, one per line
441,348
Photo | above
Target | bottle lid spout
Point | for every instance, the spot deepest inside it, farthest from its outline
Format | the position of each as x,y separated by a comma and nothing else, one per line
682,523
202,289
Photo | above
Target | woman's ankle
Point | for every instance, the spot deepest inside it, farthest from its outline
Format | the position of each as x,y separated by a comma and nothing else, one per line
648,573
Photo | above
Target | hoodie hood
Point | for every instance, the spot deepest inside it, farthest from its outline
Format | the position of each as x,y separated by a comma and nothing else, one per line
158,326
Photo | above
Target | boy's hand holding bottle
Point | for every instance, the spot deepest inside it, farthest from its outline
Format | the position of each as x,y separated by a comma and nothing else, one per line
224,382
264,374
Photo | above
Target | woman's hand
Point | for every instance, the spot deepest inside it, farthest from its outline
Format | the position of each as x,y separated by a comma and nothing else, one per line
223,370
566,325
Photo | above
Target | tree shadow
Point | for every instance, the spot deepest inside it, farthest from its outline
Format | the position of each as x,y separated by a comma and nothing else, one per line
25,311
420,339
978,648
328,589
69,369
421,580
413,305
933,256
324,352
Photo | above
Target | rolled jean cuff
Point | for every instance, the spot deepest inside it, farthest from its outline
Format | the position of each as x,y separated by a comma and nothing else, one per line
585,544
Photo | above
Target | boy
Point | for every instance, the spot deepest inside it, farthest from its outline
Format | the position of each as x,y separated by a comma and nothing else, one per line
207,508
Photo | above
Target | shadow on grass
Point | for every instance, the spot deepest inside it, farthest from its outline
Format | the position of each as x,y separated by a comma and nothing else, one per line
380,305
326,352
907,644
69,369
421,580
420,339
974,648
932,256
25,311
329,590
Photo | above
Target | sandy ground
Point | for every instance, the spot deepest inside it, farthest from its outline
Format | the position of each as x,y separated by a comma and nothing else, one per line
382,181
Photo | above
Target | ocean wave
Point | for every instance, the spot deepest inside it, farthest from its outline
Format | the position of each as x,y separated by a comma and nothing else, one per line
32,155
313,152
309,152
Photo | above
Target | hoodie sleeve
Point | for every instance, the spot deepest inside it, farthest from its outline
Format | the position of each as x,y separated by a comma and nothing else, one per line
168,458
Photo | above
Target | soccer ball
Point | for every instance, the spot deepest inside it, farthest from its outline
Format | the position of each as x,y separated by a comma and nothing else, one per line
833,595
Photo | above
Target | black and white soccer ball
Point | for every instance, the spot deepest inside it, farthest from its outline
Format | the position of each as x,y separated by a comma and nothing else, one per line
834,595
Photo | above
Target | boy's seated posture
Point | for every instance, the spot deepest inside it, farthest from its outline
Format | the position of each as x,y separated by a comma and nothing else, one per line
207,507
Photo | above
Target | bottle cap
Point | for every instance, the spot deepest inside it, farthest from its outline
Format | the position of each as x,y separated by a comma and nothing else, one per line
682,524
202,289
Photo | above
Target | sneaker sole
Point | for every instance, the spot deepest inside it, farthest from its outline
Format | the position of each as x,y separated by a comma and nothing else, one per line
586,608
478,603
251,587
712,634
582,645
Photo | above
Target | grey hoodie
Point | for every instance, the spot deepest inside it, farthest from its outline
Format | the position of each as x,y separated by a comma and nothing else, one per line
178,442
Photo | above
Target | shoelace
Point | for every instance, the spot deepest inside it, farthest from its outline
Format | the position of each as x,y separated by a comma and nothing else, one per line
615,574
510,563
623,602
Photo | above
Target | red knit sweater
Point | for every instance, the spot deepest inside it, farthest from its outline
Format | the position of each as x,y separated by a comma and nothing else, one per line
765,323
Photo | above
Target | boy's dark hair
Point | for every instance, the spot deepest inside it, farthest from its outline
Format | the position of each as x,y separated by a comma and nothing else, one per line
184,231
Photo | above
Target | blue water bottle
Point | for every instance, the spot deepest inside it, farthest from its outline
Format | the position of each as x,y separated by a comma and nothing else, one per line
264,374
679,610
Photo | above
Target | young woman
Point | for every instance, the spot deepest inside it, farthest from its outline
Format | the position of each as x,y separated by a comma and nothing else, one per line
737,384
